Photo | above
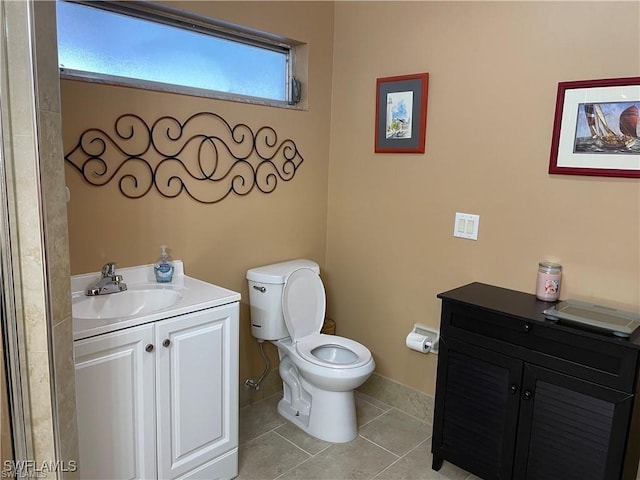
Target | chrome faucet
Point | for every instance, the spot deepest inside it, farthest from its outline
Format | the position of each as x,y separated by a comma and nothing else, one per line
109,282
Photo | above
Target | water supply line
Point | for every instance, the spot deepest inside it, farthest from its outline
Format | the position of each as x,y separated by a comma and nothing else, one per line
255,384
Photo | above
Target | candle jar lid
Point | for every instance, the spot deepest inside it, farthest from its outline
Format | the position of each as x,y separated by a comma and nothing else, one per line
550,266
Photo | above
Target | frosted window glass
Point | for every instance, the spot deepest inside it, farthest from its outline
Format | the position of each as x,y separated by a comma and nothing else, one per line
98,41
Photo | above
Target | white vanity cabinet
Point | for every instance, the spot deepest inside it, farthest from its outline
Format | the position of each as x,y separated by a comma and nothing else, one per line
115,404
160,400
197,394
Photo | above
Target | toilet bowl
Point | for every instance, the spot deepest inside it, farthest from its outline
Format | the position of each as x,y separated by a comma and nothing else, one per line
319,372
330,375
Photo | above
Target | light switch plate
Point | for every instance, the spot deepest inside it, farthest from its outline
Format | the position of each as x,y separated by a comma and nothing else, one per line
466,226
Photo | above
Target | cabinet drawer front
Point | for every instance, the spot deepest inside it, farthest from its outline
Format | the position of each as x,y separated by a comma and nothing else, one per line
534,341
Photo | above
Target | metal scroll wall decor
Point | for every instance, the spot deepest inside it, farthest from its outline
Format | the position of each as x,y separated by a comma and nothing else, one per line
204,157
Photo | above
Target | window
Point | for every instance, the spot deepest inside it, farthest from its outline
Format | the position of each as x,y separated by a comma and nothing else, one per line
156,47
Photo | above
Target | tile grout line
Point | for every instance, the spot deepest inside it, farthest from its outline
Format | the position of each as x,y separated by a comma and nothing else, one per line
413,416
311,455
399,457
379,409
372,420
260,435
363,397
380,446
292,468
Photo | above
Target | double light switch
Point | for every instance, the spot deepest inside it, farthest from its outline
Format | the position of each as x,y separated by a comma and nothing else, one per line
466,226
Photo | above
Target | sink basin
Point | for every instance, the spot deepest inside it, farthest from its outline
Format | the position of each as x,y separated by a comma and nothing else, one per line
144,302
124,304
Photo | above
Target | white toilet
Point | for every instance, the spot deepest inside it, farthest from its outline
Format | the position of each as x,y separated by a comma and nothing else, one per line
319,372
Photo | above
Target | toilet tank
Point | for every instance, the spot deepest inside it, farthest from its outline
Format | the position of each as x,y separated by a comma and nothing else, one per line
265,297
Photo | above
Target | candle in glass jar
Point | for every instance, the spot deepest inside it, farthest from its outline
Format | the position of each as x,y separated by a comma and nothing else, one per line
548,283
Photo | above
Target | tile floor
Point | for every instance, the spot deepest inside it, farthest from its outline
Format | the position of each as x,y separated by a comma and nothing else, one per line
391,445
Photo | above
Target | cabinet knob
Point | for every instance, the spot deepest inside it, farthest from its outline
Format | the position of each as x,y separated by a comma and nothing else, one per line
166,342
527,328
513,389
149,347
528,394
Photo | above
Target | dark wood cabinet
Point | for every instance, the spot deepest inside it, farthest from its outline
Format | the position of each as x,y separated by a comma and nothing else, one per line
521,397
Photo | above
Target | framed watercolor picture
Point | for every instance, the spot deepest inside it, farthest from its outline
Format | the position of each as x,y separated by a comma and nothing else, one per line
596,129
401,113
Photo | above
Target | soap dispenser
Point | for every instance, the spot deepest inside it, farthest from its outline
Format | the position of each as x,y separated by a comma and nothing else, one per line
163,267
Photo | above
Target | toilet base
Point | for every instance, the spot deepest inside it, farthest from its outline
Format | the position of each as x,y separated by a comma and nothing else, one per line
332,416
326,408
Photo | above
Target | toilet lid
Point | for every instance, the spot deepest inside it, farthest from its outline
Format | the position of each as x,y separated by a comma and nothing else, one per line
303,303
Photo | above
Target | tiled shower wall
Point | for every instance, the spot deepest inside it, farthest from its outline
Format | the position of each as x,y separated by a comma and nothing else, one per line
40,248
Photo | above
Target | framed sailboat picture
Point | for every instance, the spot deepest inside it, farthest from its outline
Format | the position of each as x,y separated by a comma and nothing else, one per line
401,113
596,130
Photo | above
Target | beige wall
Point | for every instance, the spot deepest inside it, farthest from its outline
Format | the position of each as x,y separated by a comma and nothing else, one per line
494,68
381,225
218,242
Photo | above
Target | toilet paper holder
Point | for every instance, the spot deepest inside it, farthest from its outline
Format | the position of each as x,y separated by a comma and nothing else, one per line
433,336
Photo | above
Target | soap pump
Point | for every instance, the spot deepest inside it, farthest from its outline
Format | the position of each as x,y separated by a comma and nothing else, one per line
163,268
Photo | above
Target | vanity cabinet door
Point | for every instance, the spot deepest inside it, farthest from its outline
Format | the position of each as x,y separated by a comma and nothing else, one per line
476,409
197,394
570,428
115,397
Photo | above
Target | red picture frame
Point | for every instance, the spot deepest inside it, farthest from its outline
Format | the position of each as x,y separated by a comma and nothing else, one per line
401,113
596,130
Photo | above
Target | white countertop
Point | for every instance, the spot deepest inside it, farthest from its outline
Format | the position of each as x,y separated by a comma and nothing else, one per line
195,295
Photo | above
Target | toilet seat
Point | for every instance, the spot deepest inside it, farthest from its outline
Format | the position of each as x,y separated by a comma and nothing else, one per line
303,308
303,303
324,350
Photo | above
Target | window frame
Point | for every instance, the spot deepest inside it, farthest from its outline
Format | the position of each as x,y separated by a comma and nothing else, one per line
165,15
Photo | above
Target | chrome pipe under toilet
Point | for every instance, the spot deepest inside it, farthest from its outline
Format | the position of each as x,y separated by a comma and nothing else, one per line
255,384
